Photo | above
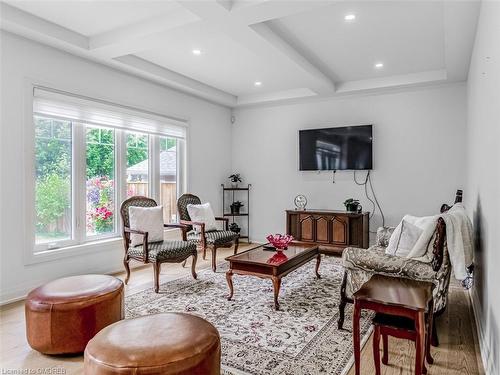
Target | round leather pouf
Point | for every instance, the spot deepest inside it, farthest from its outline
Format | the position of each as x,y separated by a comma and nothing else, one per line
64,314
169,343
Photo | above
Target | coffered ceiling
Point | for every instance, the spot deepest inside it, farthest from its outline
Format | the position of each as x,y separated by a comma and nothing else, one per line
240,53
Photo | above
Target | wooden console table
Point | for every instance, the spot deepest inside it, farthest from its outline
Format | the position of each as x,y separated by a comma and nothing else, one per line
332,231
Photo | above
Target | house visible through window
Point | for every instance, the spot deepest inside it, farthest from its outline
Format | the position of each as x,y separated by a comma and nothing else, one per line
89,159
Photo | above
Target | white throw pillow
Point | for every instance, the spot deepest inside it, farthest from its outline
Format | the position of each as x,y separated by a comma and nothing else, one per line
408,237
146,219
202,213
427,224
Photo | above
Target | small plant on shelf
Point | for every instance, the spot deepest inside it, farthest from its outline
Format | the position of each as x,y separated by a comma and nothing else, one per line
235,178
352,205
234,228
235,207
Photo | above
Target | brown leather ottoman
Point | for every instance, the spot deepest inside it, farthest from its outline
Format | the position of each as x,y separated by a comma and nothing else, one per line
170,343
64,314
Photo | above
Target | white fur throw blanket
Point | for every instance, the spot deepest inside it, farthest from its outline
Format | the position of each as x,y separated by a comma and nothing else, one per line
459,238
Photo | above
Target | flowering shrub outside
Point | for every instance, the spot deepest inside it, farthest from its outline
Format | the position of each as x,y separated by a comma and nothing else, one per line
100,205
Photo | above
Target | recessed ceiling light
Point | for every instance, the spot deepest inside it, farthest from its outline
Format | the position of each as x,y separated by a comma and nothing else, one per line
350,17
258,83
379,65
196,52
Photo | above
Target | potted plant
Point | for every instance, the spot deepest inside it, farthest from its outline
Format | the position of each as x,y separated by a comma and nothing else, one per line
235,207
234,228
235,178
352,205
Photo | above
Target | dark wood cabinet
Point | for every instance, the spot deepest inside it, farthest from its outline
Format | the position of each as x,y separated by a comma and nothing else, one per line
332,231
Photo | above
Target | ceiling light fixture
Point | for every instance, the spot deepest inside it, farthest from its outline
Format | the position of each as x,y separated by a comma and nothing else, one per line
258,83
379,65
350,17
196,52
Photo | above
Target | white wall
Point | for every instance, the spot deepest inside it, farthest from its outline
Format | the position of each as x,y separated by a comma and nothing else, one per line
482,195
419,139
209,148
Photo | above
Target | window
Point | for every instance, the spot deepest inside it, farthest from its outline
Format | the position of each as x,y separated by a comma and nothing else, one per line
137,164
89,157
100,181
168,178
53,180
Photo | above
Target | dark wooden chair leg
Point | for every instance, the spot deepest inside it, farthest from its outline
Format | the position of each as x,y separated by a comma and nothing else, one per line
434,334
193,266
127,268
214,258
343,302
419,343
355,338
184,263
204,252
385,357
156,271
376,349
236,244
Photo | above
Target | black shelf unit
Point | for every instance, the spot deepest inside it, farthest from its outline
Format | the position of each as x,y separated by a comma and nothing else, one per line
233,193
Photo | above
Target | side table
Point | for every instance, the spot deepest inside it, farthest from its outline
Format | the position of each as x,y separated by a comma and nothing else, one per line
396,297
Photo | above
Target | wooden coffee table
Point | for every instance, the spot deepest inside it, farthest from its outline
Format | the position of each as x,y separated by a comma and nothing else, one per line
270,265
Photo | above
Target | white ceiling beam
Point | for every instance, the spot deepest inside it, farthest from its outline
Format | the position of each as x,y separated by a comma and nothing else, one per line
324,85
259,39
26,24
244,100
262,11
124,35
177,80
402,80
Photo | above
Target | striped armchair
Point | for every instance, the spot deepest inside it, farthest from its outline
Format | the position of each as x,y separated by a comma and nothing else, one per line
167,251
213,239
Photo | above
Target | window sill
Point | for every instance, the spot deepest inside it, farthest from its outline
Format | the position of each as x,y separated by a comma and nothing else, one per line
69,251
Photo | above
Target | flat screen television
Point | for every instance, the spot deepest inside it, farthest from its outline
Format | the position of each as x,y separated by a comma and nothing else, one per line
343,148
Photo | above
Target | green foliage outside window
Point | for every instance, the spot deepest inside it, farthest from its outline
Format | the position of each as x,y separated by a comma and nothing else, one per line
52,199
100,152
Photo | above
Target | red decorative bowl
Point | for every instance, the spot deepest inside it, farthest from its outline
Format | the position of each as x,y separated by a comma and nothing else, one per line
280,241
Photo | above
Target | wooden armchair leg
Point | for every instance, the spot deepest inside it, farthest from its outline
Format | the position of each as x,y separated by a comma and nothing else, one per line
204,252
343,302
376,349
214,258
184,263
385,343
193,266
156,271
434,335
236,245
127,268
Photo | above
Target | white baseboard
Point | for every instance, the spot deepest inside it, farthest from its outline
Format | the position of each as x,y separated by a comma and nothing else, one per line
21,291
484,347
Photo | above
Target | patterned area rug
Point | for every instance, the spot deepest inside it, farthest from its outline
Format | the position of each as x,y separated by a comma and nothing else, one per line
301,338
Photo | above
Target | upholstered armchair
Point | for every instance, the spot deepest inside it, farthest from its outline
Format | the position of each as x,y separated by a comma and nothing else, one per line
167,251
212,239
361,264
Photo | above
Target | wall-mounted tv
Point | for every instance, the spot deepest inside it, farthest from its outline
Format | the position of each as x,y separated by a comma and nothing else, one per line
343,148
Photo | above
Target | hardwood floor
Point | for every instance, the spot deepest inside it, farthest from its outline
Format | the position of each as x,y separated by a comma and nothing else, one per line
458,352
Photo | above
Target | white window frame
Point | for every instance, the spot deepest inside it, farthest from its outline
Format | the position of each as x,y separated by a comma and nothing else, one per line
81,243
